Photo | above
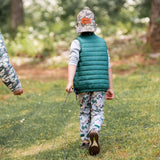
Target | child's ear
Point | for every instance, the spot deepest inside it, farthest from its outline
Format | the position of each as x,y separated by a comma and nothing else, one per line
96,24
75,26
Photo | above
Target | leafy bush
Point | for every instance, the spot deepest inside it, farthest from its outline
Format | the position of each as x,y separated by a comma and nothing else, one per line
32,43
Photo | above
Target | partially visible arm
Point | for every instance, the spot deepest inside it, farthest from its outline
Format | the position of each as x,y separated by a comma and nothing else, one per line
7,72
71,73
110,78
73,61
109,93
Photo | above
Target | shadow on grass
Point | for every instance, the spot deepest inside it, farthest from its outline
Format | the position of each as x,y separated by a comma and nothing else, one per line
36,121
72,151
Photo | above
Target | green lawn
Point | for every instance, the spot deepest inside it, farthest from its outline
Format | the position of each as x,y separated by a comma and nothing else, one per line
37,125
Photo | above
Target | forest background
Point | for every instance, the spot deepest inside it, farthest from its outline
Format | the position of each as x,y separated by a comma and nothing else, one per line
42,28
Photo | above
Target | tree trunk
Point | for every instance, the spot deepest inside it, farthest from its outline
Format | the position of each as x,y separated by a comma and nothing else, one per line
154,26
17,13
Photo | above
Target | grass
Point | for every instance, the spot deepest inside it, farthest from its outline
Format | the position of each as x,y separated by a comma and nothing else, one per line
37,125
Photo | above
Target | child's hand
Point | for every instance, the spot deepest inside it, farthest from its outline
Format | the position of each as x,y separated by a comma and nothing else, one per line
69,88
109,94
18,92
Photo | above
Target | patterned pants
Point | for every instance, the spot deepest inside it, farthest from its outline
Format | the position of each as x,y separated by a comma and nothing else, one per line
91,112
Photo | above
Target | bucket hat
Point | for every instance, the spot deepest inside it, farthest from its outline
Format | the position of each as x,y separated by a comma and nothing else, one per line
86,21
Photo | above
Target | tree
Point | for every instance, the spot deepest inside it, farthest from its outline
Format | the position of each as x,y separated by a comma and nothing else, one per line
17,13
154,26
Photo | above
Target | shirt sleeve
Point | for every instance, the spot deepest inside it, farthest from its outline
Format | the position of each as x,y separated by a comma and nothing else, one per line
7,72
74,53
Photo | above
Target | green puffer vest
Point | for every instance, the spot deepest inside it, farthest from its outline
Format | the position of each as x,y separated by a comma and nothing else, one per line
92,69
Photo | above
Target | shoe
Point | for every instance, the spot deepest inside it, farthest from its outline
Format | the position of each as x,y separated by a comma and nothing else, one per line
84,145
94,147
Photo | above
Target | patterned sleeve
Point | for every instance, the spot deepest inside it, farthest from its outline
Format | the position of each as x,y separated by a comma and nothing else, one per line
7,72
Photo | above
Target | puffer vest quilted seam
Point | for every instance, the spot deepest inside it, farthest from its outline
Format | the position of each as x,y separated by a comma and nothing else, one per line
92,69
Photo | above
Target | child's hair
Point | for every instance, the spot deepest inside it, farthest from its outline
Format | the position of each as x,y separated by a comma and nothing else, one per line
87,33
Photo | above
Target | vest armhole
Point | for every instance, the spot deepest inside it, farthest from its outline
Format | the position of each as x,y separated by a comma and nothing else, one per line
79,40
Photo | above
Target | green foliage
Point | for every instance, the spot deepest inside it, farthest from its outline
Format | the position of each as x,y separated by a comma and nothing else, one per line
55,21
106,12
111,16
41,14
112,8
70,8
30,42
144,8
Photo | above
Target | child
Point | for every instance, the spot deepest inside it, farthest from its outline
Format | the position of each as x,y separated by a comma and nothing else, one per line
7,73
89,69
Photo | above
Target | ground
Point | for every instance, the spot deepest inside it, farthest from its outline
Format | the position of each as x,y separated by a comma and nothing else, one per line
35,73
39,125
38,71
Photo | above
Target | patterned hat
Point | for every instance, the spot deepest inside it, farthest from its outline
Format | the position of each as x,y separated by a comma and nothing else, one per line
86,21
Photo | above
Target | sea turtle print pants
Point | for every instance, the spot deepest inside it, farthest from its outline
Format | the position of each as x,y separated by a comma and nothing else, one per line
91,112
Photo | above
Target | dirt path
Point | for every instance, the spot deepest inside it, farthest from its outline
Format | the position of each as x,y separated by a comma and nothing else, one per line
35,73
38,72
